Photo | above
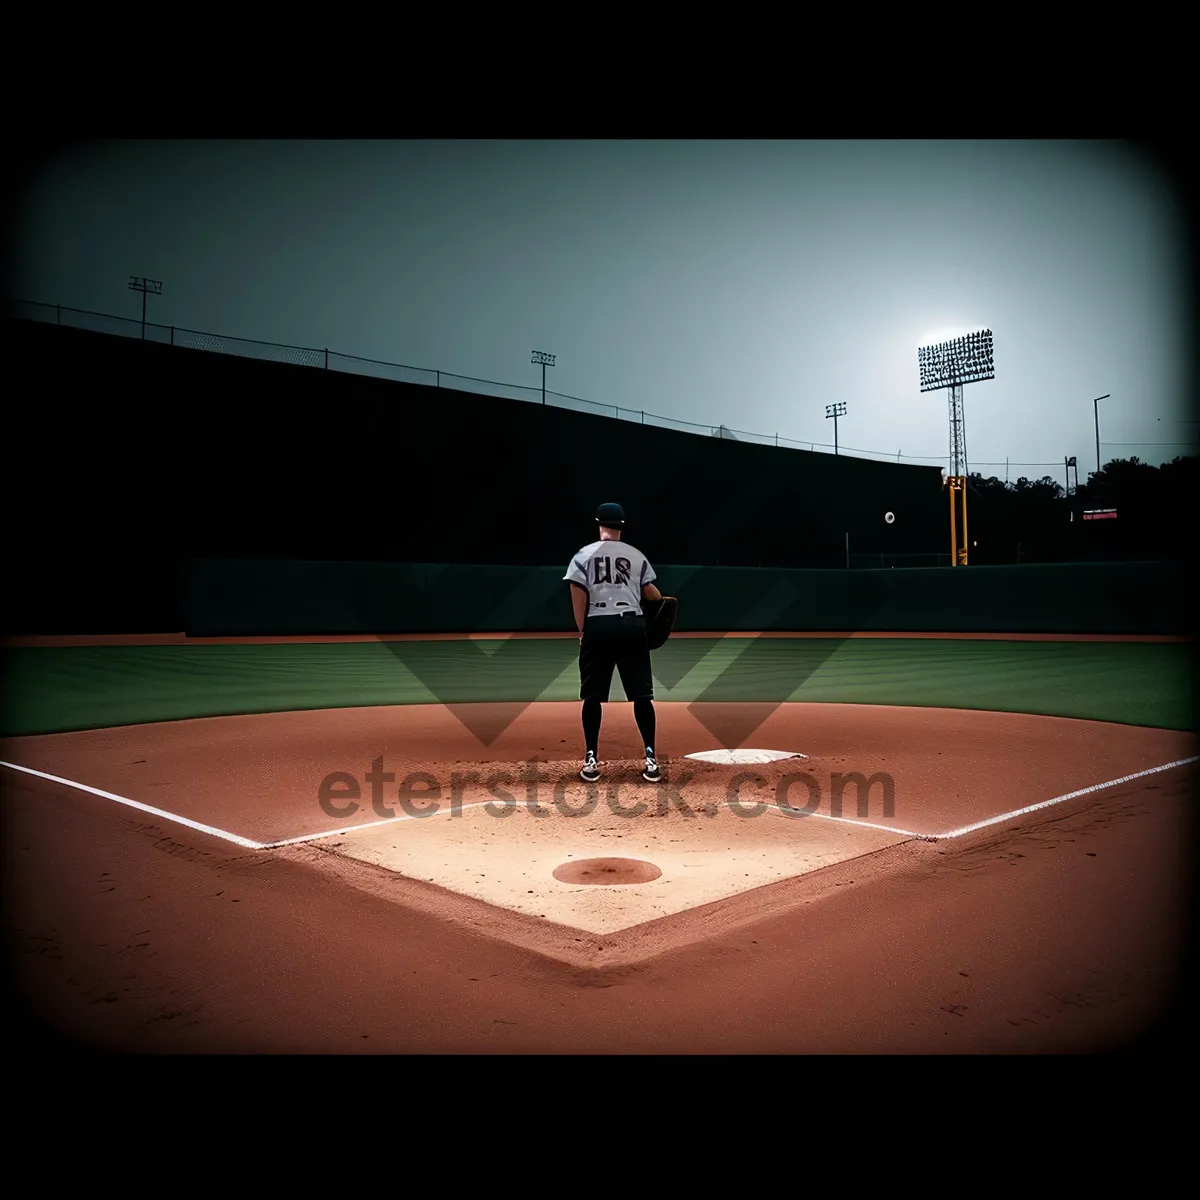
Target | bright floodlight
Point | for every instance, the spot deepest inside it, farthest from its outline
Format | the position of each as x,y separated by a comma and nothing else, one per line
547,360
950,365
966,359
835,411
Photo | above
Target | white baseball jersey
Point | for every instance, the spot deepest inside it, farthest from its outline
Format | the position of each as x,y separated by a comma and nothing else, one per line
613,573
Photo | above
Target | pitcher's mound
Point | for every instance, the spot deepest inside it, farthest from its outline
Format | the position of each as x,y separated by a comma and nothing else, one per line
606,872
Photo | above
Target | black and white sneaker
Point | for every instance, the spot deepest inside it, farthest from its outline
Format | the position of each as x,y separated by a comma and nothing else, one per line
651,772
591,769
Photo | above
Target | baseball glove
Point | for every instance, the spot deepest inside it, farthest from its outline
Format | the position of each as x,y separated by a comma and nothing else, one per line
660,619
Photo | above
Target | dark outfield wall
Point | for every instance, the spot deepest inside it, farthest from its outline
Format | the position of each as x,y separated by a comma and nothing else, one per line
126,459
247,598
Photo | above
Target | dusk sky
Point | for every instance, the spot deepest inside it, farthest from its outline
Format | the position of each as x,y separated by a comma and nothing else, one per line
746,284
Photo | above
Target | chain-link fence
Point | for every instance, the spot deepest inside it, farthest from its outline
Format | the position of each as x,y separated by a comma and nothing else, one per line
348,364
295,355
380,370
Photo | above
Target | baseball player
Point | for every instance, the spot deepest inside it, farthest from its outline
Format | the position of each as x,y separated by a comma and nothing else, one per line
609,579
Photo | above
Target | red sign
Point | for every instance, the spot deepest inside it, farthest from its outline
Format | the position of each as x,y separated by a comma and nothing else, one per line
1099,514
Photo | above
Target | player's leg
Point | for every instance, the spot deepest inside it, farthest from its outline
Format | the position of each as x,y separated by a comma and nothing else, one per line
643,714
637,679
593,716
643,711
596,663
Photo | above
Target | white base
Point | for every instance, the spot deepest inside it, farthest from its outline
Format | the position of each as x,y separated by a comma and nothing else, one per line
743,756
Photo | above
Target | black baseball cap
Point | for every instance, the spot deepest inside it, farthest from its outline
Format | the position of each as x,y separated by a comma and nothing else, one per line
612,516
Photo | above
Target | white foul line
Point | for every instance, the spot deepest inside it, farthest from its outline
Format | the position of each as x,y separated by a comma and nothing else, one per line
158,812
1096,787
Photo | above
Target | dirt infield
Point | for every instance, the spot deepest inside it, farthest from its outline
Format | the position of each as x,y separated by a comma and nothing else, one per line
236,883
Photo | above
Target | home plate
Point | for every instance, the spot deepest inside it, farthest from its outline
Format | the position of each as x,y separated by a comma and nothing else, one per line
743,756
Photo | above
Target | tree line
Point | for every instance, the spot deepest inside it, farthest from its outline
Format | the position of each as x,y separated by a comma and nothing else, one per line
1038,520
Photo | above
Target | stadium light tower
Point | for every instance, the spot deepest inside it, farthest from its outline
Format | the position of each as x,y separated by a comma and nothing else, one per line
145,286
950,365
835,411
547,360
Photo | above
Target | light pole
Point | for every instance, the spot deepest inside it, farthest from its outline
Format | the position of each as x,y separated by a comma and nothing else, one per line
547,360
144,286
835,411
950,365
1070,465
1096,413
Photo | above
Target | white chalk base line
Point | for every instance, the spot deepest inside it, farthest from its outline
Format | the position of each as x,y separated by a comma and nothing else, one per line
1096,787
250,844
146,808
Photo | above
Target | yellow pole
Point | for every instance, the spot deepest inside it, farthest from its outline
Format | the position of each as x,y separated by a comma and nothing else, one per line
953,534
966,543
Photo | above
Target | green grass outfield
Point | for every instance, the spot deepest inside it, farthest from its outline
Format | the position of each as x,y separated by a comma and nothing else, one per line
56,689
